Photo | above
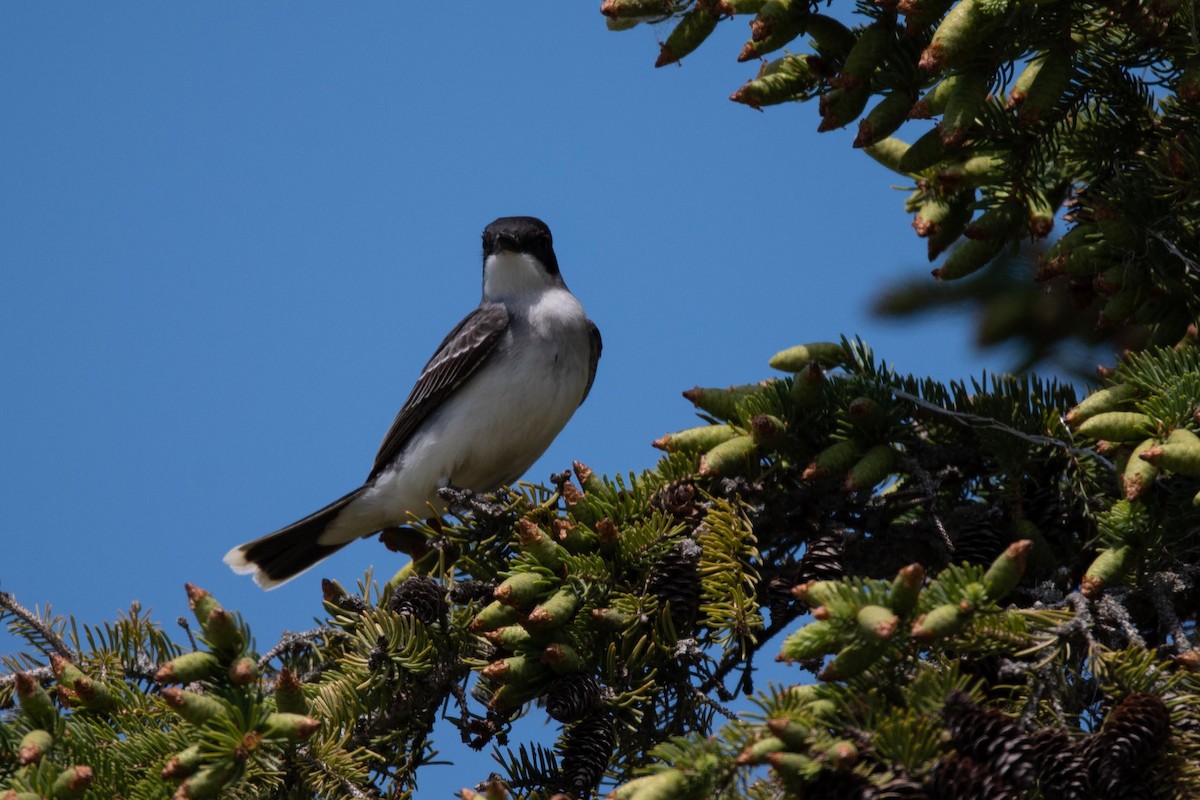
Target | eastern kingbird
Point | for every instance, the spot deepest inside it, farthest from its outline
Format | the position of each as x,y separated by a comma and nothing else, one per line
500,387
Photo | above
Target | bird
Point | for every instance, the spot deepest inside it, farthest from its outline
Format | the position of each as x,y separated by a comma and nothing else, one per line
498,390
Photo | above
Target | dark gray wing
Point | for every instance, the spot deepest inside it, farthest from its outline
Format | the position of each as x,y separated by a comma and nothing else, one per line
458,356
596,346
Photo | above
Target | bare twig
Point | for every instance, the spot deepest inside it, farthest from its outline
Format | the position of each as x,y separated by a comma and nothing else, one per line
976,421
10,604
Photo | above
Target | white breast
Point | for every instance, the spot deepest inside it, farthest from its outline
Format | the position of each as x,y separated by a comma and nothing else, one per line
494,427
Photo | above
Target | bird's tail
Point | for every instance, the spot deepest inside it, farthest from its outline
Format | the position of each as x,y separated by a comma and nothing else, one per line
280,556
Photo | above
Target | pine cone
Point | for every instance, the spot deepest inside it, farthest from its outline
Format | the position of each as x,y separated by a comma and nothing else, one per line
834,785
587,747
464,592
420,597
822,560
978,533
958,777
1135,730
679,500
1062,771
1119,755
901,789
990,737
676,580
571,696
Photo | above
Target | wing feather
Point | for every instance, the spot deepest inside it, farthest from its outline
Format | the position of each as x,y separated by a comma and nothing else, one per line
462,352
596,344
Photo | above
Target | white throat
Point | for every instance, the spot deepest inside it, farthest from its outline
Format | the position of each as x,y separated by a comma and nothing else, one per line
509,275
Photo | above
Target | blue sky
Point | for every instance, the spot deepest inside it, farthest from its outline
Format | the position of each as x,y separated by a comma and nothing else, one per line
232,233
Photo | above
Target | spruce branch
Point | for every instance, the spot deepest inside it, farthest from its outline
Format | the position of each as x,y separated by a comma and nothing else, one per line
46,631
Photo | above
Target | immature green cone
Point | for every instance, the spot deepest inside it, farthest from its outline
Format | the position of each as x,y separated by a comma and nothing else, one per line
520,669
777,23
188,667
1179,453
757,752
201,602
696,440
36,703
793,734
922,13
1039,98
555,611
592,483
889,152
971,172
289,693
1101,401
1107,569
952,225
635,9
494,615
290,727
34,745
794,359
870,470
204,783
884,119
670,784
1005,572
728,458
967,258
865,56
808,385
689,33
957,36
1139,474
963,104
816,593
194,707
794,769
840,107
1020,87
562,658
906,589
841,755
929,217
1117,426
815,639
782,80
511,696
721,403
65,672
933,103
945,620
183,763
510,637
851,660
72,782
221,630
610,619
997,222
243,671
523,589
836,459
830,36
927,150
877,623
537,543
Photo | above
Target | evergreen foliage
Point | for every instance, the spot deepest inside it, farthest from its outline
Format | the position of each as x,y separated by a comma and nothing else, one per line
992,607
993,583
996,113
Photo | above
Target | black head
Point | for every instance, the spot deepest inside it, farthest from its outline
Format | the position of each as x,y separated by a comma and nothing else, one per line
521,235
